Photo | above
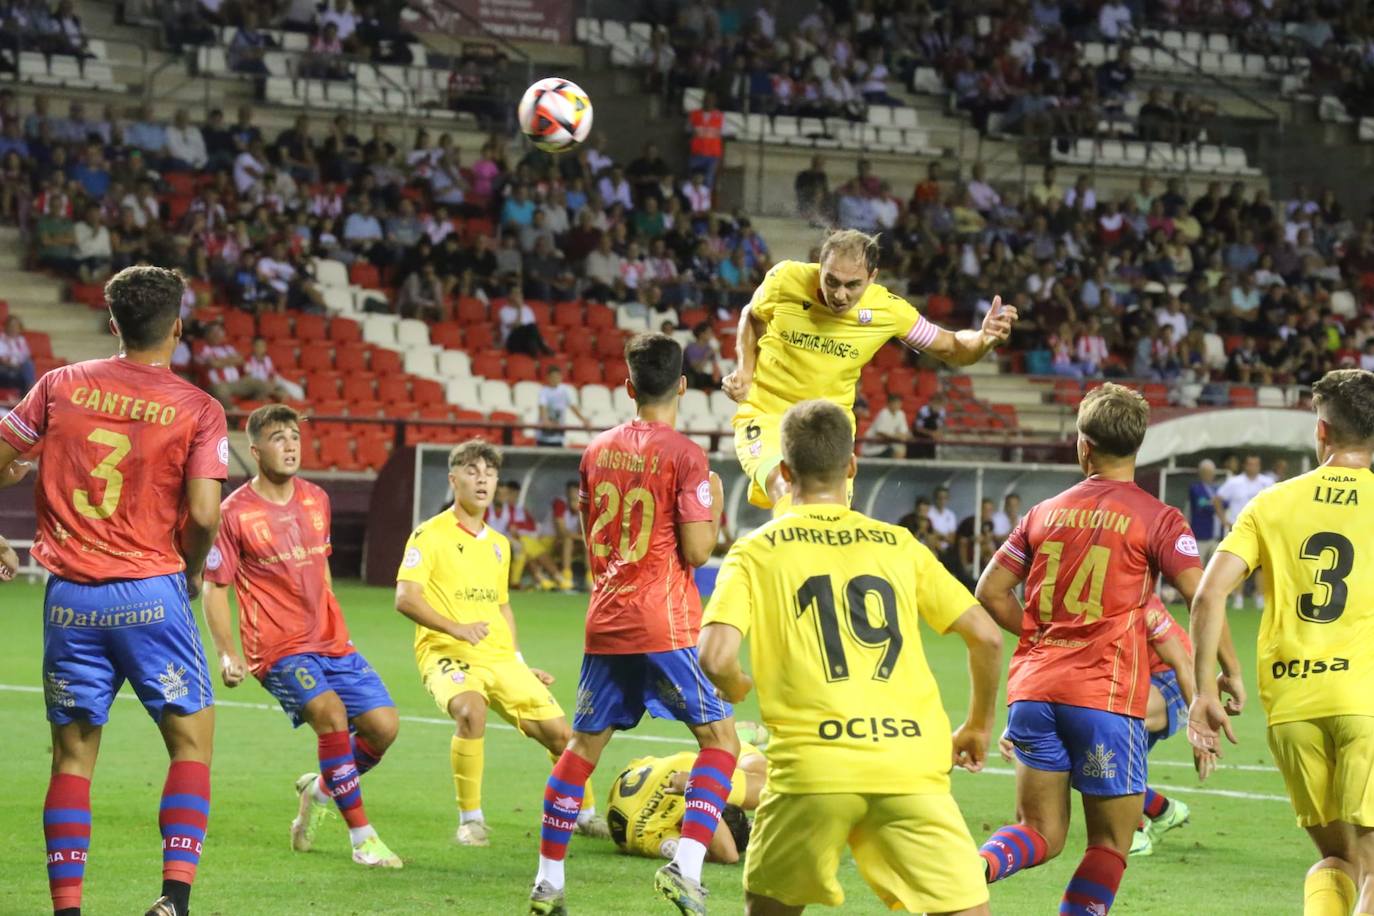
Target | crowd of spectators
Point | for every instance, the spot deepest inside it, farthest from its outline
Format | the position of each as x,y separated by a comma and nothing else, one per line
40,26
1162,284
958,542
245,215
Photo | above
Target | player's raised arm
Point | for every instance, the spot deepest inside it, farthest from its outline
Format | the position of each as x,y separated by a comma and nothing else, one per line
964,348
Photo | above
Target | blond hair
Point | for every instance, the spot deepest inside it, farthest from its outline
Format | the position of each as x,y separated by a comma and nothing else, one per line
1114,418
851,243
473,451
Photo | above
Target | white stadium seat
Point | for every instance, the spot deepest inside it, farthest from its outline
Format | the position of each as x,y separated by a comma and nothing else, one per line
454,364
379,330
462,392
595,398
494,394
412,332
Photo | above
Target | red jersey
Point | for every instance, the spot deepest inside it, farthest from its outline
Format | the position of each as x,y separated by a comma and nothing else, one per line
277,558
707,129
1090,557
120,441
638,482
1161,626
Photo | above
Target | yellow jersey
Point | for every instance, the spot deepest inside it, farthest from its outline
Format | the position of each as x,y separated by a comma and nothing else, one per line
465,578
832,601
1312,536
807,351
642,814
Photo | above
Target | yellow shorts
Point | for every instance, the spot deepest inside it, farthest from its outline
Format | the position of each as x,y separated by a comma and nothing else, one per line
1328,767
536,546
758,446
914,850
509,687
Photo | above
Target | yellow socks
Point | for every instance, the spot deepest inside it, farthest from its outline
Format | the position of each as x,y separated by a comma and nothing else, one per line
1328,892
466,757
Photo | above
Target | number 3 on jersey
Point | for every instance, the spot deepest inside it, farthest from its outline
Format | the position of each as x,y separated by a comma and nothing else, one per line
634,544
108,471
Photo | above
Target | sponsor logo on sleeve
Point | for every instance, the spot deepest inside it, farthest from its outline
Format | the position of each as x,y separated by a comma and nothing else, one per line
412,558
704,493
1186,545
223,450
214,559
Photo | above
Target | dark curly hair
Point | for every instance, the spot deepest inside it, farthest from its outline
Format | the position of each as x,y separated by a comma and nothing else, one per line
145,302
739,825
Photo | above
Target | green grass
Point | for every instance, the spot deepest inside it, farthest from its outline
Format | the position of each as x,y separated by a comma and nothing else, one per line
1243,845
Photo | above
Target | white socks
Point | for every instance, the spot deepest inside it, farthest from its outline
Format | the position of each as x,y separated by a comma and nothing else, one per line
550,871
473,815
356,835
585,815
690,855
320,796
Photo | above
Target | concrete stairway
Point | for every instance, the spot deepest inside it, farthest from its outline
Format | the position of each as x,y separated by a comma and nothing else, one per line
1031,397
76,331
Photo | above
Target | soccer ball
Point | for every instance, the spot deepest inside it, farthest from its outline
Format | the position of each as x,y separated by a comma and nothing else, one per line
555,114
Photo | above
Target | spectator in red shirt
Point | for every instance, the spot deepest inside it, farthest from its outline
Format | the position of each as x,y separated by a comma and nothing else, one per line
707,145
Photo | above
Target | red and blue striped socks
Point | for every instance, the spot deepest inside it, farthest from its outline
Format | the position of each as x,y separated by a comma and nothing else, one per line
562,801
1155,804
340,775
1014,847
708,786
364,755
1093,886
67,829
182,817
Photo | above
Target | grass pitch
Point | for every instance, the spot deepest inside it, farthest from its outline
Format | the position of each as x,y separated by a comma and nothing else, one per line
1242,853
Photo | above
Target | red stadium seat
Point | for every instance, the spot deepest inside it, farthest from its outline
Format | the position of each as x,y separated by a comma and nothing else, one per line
435,412
336,451
274,326
426,391
384,362
727,346
239,324
561,362
314,359
543,312
489,364
351,357
615,374
600,316
694,316
587,371
899,381
447,334
368,408
310,452
374,450
283,355
345,330
365,275
579,342
4,310
311,327
610,345
889,356
569,315
1156,394
358,388
40,345
327,407
42,365
471,311
521,368
322,386
1243,396
89,294
479,337
393,389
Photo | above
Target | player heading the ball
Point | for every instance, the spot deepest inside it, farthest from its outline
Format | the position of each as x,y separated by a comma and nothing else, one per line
650,508
809,331
274,547
860,747
128,499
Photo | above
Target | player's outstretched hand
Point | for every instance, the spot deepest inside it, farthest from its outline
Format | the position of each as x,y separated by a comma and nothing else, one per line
1233,687
470,632
997,322
544,677
9,561
16,472
677,783
1006,749
1207,720
736,385
970,747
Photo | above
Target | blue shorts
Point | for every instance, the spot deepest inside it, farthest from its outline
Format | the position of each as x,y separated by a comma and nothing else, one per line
1174,707
614,690
295,680
97,636
1104,752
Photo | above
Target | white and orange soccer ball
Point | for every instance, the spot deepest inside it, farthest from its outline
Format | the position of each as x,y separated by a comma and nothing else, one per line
555,114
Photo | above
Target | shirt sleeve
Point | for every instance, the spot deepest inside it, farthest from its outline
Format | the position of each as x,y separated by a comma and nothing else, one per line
418,560
1160,625
732,602
26,424
908,325
222,562
1244,539
940,598
1015,553
1173,548
693,497
765,299
209,457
